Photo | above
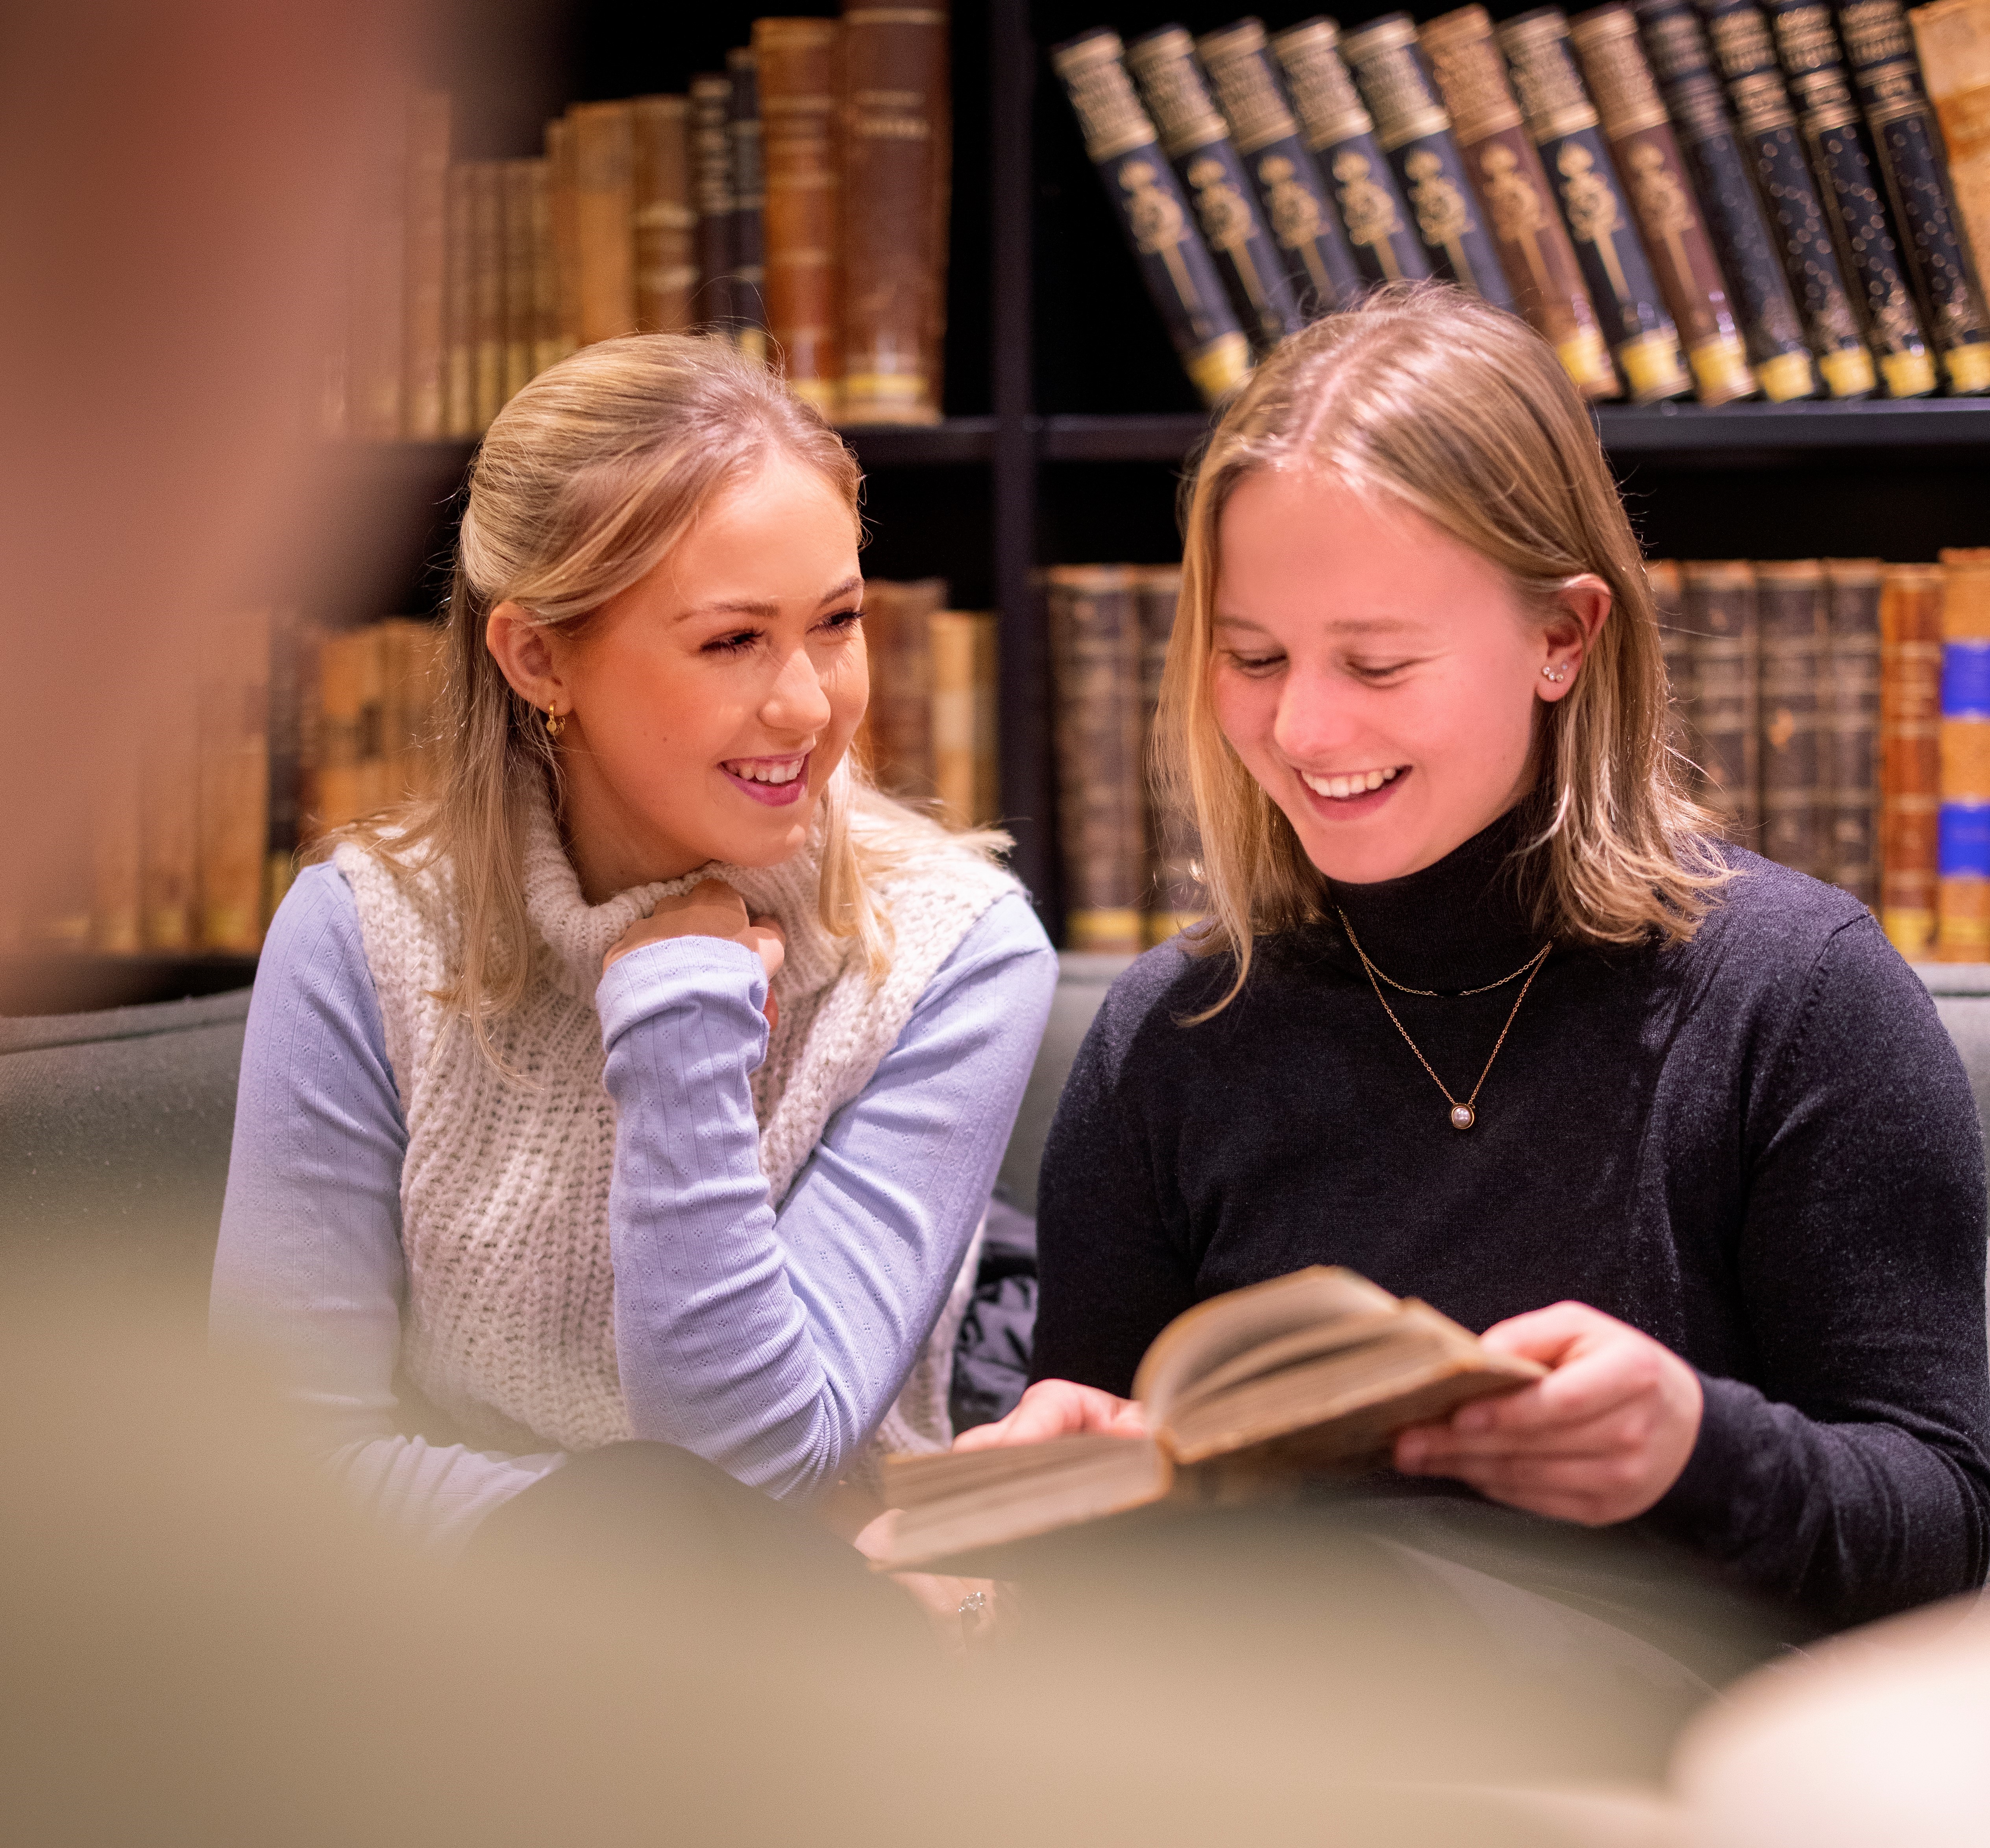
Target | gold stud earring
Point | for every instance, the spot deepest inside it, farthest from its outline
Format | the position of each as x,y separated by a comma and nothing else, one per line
1556,674
556,724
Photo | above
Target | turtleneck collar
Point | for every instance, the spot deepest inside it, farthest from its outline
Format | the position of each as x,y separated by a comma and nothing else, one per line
1453,925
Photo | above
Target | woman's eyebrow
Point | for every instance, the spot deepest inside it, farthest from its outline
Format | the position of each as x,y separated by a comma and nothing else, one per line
763,608
847,588
1340,624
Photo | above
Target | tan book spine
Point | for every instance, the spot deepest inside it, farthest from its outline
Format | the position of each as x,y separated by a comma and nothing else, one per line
117,908
377,306
486,260
896,142
425,355
351,781
1791,613
234,813
797,59
1505,169
897,641
548,347
604,215
1174,895
1720,612
1851,720
1954,39
1102,817
521,276
1682,685
565,208
412,663
169,814
965,738
666,223
747,242
460,309
1962,905
1910,600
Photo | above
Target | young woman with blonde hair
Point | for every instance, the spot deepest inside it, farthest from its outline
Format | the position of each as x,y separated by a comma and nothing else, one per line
1484,1010
641,1094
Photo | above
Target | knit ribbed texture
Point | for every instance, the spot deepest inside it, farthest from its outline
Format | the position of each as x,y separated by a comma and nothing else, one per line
504,1188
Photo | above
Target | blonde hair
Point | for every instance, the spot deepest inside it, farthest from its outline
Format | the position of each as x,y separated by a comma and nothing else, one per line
584,481
1461,411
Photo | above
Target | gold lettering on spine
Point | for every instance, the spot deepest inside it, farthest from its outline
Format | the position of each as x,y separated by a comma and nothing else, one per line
1662,203
1518,212
1593,214
1225,216
1159,227
1368,212
1295,216
1442,215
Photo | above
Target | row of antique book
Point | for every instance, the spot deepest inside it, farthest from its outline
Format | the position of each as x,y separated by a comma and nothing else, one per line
800,197
1721,198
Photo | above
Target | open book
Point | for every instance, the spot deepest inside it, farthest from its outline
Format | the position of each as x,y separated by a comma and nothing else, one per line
1314,1372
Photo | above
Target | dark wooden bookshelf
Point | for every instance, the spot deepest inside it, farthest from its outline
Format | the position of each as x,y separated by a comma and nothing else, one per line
77,982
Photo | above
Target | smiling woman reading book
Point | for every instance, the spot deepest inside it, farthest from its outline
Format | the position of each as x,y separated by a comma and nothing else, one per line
1484,1014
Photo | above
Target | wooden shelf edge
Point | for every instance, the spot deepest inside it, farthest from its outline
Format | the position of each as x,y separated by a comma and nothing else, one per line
33,983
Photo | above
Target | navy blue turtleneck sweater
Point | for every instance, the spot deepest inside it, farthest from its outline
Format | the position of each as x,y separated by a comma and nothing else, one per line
1759,1147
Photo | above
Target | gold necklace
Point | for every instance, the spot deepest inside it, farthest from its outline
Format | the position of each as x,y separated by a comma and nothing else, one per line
1463,1115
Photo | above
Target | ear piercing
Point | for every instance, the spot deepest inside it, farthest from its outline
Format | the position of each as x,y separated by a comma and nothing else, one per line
556,724
1556,674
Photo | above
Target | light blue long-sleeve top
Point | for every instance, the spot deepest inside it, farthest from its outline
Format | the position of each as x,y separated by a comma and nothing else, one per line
771,1343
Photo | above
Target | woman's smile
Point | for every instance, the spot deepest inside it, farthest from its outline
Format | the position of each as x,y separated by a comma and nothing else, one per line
775,781
1344,796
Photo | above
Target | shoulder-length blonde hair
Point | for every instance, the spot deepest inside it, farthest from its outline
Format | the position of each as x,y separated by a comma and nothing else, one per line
584,481
1463,413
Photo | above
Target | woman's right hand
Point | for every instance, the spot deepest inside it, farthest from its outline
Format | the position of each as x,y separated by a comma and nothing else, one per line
710,908
1058,1407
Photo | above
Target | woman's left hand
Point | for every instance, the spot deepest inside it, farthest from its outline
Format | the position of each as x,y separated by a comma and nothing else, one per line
1599,1440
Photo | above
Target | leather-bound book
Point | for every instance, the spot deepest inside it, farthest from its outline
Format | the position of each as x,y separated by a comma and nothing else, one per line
1851,725
1910,600
898,642
1887,77
966,731
1962,910
897,142
1181,277
514,179
1095,624
604,201
1297,204
1791,615
1583,176
487,292
414,673
797,60
565,203
714,305
548,345
1719,605
1668,216
1841,152
1766,119
1341,133
1196,139
666,223
1174,896
749,203
1682,689
424,357
460,311
1415,134
1724,179
1516,197
233,809
1953,37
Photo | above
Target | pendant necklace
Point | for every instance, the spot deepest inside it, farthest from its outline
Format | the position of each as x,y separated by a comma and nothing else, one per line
1463,1114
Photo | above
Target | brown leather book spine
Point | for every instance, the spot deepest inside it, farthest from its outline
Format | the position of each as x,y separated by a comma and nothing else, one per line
548,348
1720,612
412,678
1654,173
898,642
797,59
1910,612
749,243
487,261
1506,171
897,141
1682,685
565,208
1953,37
1102,821
424,352
965,741
233,808
1851,720
604,202
1792,614
1174,895
460,309
520,275
665,222
714,303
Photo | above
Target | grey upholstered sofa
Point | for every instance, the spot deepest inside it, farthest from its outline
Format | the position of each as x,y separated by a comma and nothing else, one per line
114,1126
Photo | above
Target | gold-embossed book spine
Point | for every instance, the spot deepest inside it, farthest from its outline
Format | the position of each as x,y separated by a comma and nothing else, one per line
797,61
1910,613
748,240
1791,615
1953,38
711,101
1341,133
666,223
1153,214
1850,722
1415,133
1590,193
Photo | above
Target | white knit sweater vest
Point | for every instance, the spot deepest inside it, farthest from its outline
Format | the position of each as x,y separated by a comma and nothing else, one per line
510,1326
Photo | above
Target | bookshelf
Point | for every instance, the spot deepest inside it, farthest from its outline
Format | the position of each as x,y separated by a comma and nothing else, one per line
1068,417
